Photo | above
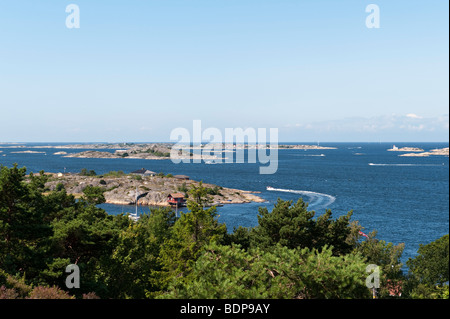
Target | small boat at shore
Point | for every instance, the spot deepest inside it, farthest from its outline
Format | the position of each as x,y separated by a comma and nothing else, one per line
134,216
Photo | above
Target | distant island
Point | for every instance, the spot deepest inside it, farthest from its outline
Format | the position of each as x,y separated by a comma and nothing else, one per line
160,151
305,147
405,149
418,152
120,188
433,152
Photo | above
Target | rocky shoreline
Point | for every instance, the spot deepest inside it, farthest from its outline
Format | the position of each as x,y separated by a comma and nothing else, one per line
120,189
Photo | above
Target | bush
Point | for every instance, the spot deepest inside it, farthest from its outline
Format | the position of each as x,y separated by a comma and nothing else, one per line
85,172
6,293
213,191
137,177
183,188
49,293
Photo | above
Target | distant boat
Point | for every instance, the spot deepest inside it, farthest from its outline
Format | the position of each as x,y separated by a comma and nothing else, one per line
135,217
270,188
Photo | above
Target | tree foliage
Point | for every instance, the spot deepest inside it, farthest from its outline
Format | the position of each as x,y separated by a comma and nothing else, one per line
429,270
190,234
282,273
293,226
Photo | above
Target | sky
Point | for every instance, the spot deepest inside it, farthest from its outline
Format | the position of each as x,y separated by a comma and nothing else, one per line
135,70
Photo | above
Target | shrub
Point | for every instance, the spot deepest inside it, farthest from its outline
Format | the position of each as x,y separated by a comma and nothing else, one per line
6,293
49,293
85,172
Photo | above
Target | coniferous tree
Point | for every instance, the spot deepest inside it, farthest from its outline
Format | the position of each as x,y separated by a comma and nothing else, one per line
23,229
293,226
190,234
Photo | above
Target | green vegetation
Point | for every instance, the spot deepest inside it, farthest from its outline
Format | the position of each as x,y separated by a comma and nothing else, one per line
214,191
291,253
114,174
85,172
155,152
183,188
429,270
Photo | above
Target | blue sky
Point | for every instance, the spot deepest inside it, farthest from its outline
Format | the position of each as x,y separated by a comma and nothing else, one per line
135,70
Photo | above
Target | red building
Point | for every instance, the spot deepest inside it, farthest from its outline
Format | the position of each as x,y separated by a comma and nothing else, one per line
176,199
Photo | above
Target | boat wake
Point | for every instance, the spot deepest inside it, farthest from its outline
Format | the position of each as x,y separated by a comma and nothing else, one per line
310,155
313,198
373,164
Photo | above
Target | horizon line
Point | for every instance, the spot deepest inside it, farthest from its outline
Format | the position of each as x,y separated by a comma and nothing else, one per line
172,142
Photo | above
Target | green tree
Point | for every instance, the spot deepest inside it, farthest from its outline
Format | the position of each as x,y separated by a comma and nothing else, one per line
23,229
190,234
231,272
429,270
387,256
85,172
93,195
41,234
294,226
135,270
86,236
240,236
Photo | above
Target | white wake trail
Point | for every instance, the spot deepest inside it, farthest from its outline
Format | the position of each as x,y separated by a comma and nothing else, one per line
315,199
374,164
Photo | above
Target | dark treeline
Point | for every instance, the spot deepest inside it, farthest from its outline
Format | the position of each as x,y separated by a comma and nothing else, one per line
291,253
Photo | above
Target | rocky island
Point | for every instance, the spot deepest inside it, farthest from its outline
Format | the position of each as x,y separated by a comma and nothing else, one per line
127,150
440,151
159,151
405,149
120,188
305,147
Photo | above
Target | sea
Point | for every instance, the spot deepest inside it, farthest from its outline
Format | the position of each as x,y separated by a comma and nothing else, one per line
405,199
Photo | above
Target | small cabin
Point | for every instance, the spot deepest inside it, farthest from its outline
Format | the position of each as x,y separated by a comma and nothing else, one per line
176,199
143,172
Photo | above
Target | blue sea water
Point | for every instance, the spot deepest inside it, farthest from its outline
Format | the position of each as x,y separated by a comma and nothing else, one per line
406,199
